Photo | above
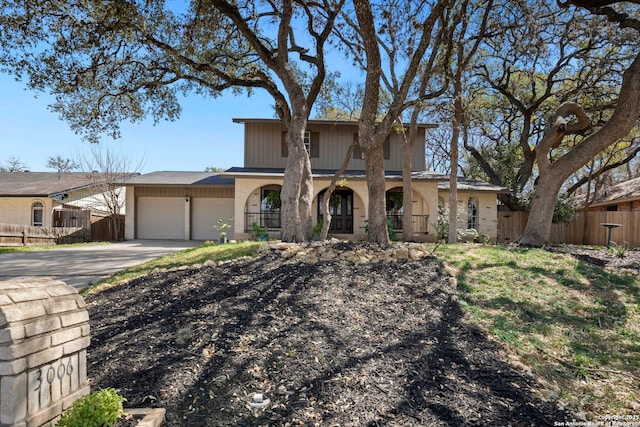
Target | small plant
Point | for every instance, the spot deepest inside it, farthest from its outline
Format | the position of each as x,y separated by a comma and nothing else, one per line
618,251
98,409
222,226
273,200
442,225
317,229
259,233
391,231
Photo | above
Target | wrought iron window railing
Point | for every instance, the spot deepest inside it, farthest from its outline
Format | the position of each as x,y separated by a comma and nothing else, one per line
272,221
420,222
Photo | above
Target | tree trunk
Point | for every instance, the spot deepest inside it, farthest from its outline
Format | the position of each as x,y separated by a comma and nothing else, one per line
540,218
453,176
296,186
453,208
326,214
377,225
306,198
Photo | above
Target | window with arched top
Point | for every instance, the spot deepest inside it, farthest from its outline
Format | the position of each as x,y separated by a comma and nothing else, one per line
472,213
270,206
37,214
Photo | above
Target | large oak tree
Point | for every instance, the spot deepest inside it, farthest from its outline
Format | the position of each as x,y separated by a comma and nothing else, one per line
109,61
538,57
389,41
570,117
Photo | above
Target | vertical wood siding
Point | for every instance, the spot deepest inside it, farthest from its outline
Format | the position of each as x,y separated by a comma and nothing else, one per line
263,147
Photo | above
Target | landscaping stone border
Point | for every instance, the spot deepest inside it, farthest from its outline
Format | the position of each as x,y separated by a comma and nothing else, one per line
355,253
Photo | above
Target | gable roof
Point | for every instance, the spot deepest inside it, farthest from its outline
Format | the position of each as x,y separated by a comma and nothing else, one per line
180,178
468,184
41,184
622,191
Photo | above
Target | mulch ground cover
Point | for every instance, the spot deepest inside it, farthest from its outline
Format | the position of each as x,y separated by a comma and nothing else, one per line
271,342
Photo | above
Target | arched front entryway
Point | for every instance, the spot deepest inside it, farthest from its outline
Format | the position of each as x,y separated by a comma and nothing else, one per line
263,208
395,200
341,210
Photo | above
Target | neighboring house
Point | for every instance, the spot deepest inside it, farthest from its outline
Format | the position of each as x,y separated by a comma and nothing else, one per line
188,205
48,199
624,196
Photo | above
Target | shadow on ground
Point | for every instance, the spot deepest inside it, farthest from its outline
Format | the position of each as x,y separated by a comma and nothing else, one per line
327,344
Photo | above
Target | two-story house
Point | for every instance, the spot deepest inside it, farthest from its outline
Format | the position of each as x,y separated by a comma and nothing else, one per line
188,205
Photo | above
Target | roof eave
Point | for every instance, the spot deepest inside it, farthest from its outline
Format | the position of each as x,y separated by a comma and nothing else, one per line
318,121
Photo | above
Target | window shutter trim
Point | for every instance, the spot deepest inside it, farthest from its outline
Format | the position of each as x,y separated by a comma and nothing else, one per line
315,145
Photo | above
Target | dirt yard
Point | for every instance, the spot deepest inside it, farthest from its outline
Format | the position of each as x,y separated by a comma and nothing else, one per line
329,344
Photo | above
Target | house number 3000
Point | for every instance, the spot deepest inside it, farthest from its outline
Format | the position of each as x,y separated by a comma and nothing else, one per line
52,373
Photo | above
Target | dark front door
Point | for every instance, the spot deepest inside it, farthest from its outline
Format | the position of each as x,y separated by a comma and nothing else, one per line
341,209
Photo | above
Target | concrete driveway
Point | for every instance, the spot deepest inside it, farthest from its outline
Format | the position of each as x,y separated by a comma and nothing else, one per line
80,266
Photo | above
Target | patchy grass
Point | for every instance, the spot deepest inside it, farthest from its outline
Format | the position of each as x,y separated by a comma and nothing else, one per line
576,325
198,255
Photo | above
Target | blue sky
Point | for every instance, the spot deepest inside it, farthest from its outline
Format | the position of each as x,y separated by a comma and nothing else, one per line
204,135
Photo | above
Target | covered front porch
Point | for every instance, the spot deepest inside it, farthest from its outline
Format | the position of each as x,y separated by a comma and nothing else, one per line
258,204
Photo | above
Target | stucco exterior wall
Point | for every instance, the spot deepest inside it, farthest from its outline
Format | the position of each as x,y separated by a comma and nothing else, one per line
17,210
487,210
130,209
247,199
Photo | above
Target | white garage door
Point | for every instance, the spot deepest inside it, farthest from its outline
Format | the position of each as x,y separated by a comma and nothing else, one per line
205,212
160,218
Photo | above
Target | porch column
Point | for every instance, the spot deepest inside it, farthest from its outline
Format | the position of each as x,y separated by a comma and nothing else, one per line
242,192
187,217
130,214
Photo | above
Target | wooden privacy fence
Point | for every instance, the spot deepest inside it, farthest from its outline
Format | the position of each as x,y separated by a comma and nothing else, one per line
23,235
512,224
103,228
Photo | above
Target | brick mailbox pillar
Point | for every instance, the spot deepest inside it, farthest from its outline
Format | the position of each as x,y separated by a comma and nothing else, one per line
44,333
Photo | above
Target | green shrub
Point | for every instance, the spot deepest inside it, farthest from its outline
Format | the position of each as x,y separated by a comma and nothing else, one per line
442,225
98,409
259,233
